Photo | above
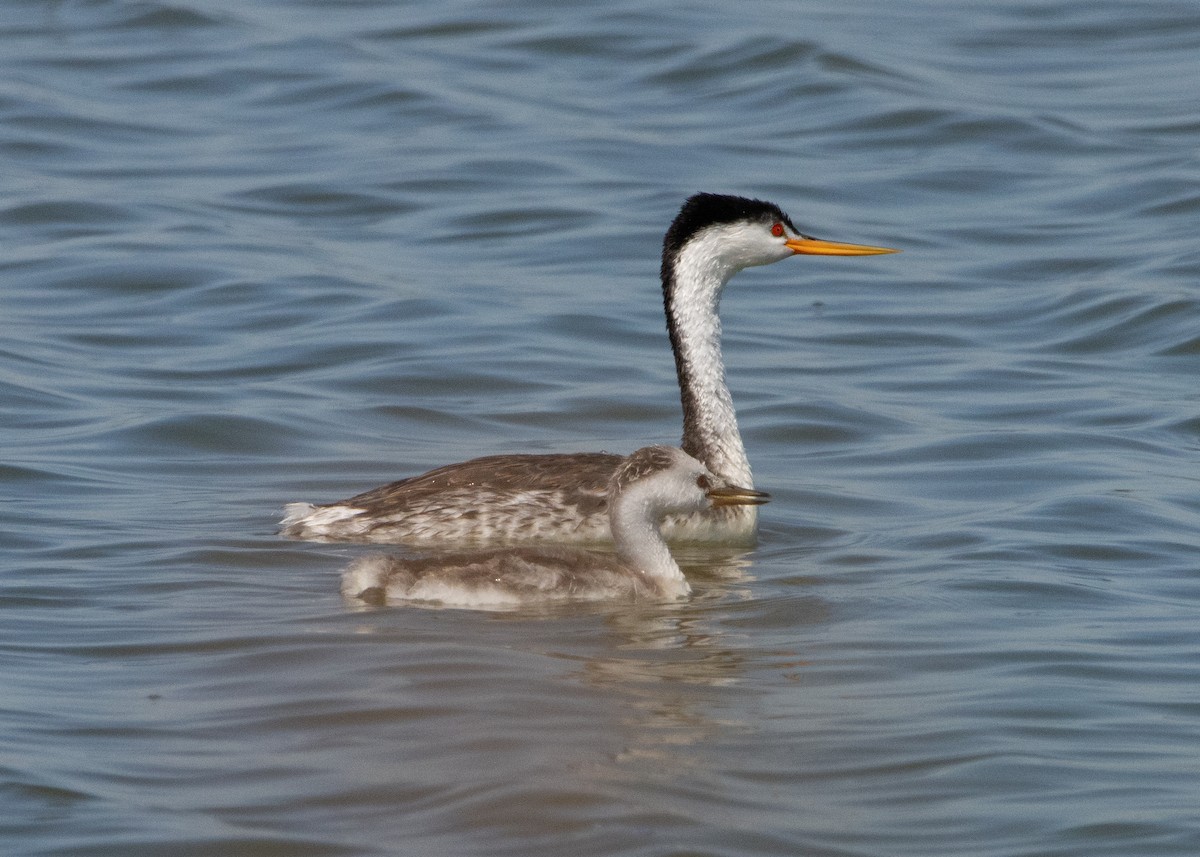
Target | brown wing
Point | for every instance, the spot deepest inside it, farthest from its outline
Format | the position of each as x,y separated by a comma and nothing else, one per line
582,476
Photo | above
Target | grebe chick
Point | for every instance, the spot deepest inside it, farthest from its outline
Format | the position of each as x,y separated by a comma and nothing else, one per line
520,498
647,485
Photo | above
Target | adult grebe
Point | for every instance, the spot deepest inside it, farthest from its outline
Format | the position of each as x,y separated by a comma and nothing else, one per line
561,497
650,483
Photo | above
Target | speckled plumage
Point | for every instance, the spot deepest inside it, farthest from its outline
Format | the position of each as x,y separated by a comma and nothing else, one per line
643,488
496,498
516,498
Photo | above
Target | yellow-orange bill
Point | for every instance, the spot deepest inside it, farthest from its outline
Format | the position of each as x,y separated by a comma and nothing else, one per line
817,247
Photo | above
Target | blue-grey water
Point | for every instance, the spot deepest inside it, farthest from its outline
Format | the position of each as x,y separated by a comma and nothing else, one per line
254,252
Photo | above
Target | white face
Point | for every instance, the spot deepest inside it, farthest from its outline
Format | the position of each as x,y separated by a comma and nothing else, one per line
742,244
684,487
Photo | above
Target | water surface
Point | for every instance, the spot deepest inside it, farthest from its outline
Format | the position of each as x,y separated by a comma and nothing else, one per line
259,252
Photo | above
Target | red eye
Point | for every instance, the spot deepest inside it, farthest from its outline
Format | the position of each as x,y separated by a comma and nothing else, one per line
777,230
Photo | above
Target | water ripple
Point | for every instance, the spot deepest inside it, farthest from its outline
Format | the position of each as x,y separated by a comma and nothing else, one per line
263,252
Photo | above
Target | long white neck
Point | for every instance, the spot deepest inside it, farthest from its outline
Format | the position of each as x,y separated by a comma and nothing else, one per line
640,545
692,289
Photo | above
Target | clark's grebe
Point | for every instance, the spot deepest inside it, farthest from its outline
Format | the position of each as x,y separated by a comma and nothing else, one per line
650,483
561,497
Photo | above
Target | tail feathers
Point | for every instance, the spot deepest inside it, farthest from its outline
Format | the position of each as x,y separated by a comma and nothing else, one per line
306,521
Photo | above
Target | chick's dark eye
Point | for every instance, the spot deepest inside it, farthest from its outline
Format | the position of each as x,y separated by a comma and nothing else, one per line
702,482
777,230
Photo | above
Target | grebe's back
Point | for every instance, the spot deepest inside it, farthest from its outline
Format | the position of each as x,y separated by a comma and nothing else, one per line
496,498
